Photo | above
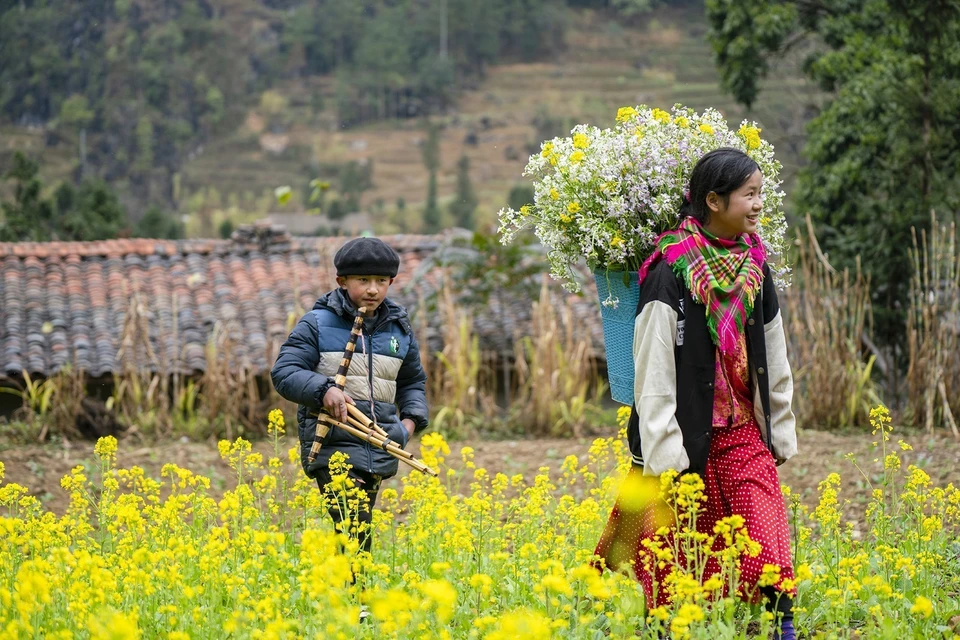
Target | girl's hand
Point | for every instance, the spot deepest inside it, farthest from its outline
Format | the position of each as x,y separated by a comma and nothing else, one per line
780,461
335,402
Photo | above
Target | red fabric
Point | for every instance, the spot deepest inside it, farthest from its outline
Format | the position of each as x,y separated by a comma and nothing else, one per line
732,397
740,478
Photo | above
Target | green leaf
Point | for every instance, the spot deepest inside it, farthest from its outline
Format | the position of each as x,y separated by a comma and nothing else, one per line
282,194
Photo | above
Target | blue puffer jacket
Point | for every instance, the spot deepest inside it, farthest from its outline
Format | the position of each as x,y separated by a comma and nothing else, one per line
387,360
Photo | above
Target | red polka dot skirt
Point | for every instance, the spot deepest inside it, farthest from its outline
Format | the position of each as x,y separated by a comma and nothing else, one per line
740,478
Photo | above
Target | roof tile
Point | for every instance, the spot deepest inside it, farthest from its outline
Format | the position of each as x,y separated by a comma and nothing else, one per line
66,302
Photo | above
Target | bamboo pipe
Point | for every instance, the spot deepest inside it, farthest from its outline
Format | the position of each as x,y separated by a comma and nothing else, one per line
360,416
387,445
340,380
366,428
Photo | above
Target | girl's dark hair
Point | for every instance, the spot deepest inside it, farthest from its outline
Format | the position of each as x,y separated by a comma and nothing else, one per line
722,171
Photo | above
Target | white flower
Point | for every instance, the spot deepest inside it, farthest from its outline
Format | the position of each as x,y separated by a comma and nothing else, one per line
605,195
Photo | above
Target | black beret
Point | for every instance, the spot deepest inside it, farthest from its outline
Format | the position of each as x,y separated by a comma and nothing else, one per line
367,257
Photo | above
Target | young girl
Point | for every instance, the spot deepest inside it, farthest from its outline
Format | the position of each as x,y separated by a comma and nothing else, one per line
713,388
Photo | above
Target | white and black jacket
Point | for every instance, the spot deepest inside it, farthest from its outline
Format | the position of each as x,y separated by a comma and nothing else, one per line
675,365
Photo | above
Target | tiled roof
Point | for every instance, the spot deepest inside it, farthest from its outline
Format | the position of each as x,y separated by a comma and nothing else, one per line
66,302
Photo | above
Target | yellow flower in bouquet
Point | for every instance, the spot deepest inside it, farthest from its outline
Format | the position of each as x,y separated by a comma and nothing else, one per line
604,195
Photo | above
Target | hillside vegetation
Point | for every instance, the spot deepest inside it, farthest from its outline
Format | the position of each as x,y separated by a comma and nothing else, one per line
294,131
498,124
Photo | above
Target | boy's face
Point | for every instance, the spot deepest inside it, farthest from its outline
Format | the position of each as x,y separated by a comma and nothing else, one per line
366,291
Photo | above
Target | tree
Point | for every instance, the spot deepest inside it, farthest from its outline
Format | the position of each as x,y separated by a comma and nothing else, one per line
121,72
355,178
534,28
316,102
465,201
276,107
431,160
172,74
383,50
50,51
327,32
430,151
745,37
885,148
75,112
431,212
156,223
28,216
90,212
337,210
144,140
147,85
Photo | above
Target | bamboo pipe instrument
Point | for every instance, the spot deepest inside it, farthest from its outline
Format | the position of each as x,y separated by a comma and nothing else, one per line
340,380
363,427
361,417
367,428
387,445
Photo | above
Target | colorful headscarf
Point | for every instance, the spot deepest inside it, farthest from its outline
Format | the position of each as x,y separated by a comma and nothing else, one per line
723,275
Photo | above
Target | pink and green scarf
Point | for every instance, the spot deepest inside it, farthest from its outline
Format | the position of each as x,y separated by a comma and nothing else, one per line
723,275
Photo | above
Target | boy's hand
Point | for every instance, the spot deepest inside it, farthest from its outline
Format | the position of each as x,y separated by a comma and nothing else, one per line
410,426
335,402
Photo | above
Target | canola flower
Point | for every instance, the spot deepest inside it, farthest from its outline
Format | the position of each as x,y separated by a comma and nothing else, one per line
472,554
604,195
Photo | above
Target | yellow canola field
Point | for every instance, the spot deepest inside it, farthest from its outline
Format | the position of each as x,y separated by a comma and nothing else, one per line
471,554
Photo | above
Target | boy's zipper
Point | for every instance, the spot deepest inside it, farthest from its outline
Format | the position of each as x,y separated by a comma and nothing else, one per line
369,354
370,382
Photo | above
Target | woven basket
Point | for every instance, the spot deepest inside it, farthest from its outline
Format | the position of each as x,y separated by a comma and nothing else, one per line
618,329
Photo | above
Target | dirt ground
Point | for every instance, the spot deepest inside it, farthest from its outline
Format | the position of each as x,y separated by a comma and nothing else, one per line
40,468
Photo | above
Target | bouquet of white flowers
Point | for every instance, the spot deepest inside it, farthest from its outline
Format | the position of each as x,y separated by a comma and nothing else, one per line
604,195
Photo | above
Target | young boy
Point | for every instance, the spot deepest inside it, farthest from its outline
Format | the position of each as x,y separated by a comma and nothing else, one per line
386,362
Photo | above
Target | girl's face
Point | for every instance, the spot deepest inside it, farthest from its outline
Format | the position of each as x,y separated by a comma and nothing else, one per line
741,211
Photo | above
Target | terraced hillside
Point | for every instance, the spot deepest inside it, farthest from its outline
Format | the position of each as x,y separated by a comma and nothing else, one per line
606,65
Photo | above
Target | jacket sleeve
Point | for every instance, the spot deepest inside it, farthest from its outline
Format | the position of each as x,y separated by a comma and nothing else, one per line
411,388
294,374
783,423
655,382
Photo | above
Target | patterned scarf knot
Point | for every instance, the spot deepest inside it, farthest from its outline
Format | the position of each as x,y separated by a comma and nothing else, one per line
723,275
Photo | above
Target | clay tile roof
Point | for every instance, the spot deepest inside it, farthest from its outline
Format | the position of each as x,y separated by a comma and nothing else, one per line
74,302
